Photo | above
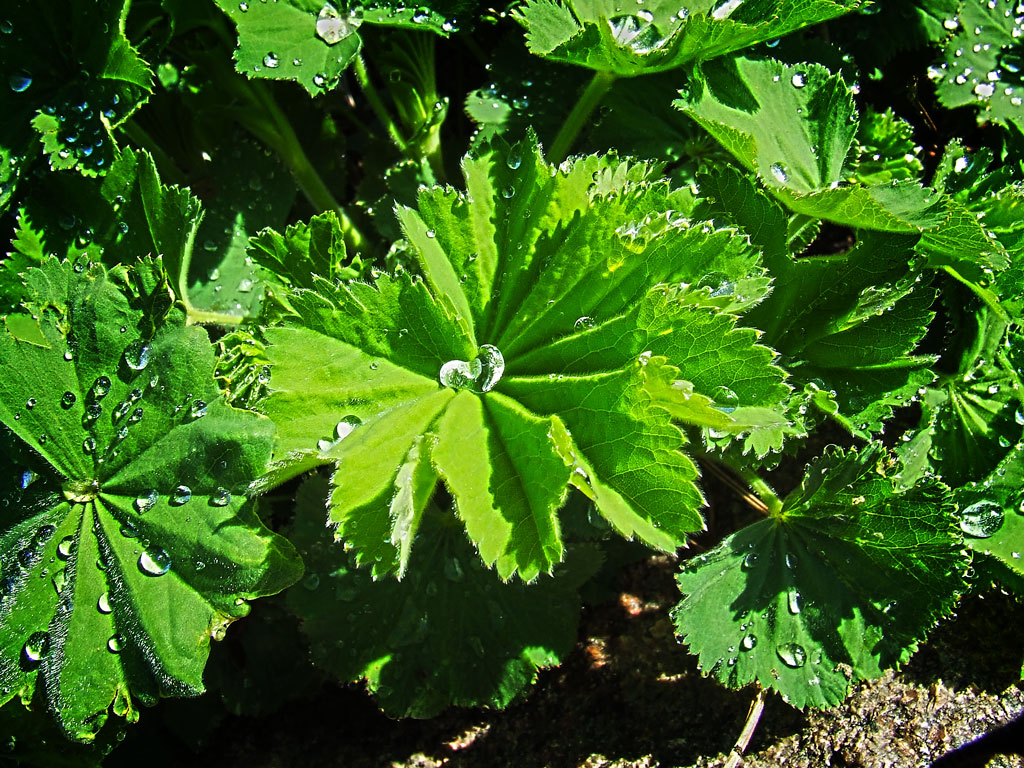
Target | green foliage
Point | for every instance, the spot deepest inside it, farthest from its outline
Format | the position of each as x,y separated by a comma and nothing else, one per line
113,579
539,324
661,35
848,572
666,253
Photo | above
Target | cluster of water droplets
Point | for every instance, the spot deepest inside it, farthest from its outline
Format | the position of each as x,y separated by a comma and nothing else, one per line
988,73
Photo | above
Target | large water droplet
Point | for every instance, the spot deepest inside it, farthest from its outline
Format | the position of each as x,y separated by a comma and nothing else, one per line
726,400
779,173
793,600
198,409
748,642
220,497
181,495
37,646
271,61
799,80
344,427
68,400
146,500
89,445
114,644
65,547
136,355
154,562
481,373
103,604
981,519
332,27
792,655
19,81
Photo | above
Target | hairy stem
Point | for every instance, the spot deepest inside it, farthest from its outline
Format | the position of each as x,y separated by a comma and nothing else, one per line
363,78
588,101
753,716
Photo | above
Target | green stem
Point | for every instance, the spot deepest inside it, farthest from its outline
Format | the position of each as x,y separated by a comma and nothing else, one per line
988,298
763,491
169,171
588,101
363,78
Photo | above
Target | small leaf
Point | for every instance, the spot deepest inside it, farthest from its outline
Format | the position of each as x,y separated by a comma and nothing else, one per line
450,633
841,585
128,538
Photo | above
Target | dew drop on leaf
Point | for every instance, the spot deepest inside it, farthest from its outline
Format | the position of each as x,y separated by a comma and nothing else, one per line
799,80
103,604
793,600
271,61
332,27
154,562
779,173
36,647
19,81
146,501
748,642
198,409
114,644
726,400
65,547
344,427
68,399
792,654
220,497
181,495
136,355
981,519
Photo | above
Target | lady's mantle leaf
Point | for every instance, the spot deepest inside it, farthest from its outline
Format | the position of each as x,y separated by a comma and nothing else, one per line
126,537
312,42
660,34
69,72
450,633
518,364
840,586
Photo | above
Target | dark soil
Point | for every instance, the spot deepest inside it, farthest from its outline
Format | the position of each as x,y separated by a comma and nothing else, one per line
631,696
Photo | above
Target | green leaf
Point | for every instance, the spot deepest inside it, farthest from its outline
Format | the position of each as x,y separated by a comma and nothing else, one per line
981,63
661,35
312,42
72,76
841,585
305,250
539,316
886,149
794,125
450,633
127,214
127,536
844,323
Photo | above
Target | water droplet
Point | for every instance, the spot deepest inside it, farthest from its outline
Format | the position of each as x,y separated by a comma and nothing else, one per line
136,355
181,495
136,416
146,501
6,27
103,604
198,409
793,599
99,388
243,7
68,399
779,173
31,403
514,159
791,560
19,81
311,582
332,27
748,642
792,655
37,646
726,400
65,547
271,61
28,477
114,644
799,80
220,497
154,562
60,580
981,519
584,322
344,427
481,373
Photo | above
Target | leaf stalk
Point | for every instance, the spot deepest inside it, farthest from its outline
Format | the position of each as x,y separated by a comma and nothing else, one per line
598,86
